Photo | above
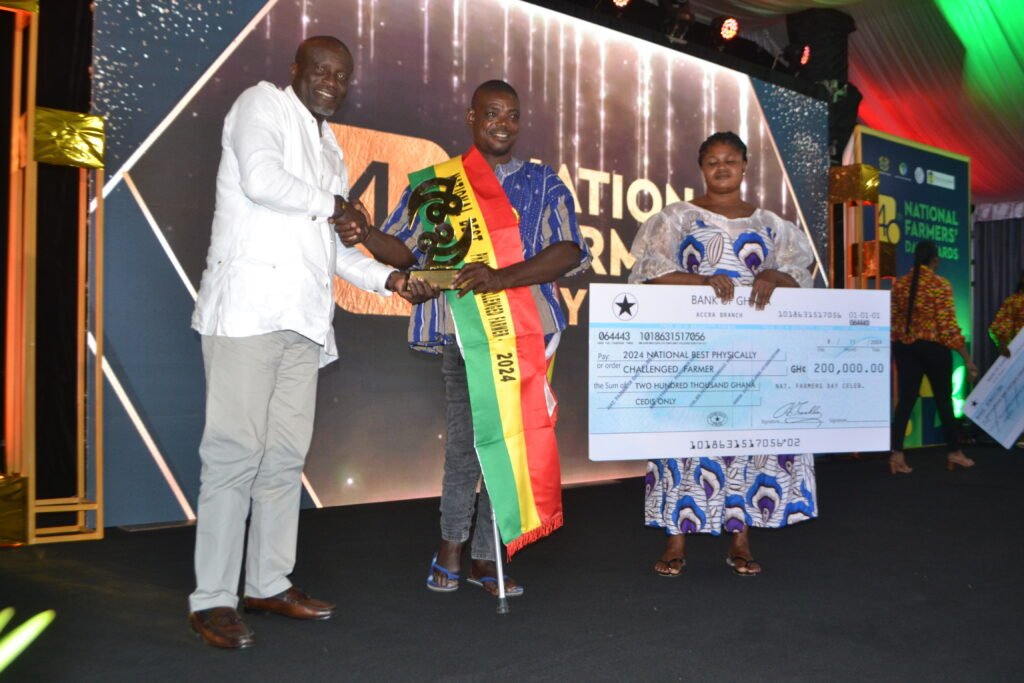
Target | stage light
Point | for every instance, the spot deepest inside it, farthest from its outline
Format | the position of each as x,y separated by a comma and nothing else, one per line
796,56
825,32
805,55
724,29
677,21
620,3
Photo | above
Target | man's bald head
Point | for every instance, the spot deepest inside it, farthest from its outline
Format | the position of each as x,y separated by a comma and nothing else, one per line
330,42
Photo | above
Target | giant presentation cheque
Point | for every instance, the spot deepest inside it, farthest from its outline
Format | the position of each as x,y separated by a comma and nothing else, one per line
676,373
997,402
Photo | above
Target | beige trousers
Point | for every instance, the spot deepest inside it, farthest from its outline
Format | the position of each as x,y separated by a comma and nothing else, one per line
260,400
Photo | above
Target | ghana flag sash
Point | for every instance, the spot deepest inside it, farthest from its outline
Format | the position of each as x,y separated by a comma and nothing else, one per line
502,342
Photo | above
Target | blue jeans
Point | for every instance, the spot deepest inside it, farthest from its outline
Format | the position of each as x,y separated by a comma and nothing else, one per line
461,466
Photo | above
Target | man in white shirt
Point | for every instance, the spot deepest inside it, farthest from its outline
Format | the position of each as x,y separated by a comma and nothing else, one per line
265,311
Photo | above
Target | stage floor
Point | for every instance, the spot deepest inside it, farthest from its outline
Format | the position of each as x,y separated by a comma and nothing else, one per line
902,578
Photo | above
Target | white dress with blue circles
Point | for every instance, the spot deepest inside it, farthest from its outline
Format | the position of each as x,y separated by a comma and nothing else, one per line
716,494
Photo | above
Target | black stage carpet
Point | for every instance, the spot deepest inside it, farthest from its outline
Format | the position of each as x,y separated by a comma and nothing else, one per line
902,578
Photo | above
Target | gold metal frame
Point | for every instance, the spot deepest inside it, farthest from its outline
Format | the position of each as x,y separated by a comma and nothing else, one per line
851,187
20,326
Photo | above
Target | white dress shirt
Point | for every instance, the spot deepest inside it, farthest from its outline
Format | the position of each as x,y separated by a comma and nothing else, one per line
272,252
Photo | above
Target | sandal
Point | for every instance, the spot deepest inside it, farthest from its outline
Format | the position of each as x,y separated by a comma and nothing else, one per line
513,592
672,572
958,459
452,583
741,566
898,464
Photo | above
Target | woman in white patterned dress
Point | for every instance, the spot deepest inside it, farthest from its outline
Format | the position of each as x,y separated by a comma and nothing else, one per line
720,241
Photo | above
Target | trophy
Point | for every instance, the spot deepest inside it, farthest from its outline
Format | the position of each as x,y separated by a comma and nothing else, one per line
444,251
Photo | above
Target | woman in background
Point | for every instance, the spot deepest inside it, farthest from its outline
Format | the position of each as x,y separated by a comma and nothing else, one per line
924,329
1009,319
719,241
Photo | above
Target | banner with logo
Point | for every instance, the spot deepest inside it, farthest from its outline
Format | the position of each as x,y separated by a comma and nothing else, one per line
924,194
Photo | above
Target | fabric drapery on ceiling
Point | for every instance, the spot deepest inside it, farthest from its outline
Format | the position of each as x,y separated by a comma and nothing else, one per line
765,7
916,75
909,65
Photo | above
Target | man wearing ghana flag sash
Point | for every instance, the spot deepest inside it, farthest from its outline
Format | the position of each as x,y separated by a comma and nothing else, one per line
496,330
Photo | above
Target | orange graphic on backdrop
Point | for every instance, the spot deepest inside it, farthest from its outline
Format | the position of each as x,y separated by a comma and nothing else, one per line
402,155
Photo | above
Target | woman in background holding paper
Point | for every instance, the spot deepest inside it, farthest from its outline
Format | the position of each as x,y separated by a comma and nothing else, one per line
924,329
720,241
1009,319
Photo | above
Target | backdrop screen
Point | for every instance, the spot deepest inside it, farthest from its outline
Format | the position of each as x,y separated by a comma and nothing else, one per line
619,118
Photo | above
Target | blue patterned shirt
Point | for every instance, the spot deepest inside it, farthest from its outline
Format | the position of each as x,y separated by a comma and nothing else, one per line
547,215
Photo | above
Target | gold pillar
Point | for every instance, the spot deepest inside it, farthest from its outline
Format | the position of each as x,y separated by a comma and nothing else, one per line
19,327
66,138
852,186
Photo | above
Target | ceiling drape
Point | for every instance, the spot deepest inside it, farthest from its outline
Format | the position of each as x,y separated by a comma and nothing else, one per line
918,78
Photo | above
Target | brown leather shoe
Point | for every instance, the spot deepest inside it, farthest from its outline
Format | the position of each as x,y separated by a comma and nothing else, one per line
291,603
221,627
